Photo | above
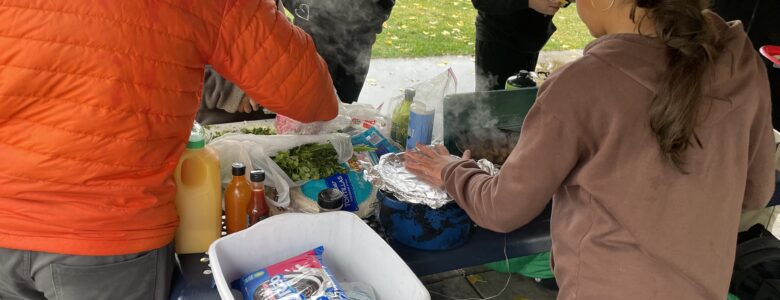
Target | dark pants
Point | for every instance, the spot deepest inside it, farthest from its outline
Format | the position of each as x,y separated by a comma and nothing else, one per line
31,275
774,85
495,62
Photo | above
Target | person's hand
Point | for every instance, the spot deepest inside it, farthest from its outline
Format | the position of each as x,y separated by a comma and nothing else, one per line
547,7
248,105
428,164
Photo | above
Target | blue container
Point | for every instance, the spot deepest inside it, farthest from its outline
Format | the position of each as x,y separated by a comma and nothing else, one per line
421,227
420,126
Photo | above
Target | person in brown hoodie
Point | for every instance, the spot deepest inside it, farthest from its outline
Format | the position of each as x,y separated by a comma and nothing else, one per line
650,145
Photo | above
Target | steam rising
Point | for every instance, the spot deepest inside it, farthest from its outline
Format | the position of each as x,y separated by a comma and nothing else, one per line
342,28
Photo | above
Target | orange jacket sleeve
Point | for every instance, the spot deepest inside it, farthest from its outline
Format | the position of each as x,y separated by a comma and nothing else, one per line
274,62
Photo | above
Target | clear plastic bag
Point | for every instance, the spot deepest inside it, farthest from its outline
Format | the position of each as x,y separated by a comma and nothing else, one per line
352,118
365,116
256,152
285,125
431,93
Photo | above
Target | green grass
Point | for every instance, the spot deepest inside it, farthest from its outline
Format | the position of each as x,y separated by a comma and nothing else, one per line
420,28
571,33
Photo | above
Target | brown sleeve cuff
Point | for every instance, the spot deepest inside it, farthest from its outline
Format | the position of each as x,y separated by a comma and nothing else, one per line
446,173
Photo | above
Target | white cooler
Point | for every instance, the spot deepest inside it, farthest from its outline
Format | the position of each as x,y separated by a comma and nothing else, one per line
353,253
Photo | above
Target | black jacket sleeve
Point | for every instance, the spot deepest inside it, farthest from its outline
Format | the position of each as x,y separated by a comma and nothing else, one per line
386,5
500,7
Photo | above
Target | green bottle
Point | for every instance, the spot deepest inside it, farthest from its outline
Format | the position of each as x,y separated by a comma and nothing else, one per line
400,126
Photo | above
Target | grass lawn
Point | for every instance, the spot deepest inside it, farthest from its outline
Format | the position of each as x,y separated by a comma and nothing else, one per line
419,28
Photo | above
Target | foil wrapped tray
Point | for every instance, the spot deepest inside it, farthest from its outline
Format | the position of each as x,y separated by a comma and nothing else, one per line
390,175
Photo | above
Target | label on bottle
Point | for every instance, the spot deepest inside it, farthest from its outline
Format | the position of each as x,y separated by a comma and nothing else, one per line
399,132
400,124
420,129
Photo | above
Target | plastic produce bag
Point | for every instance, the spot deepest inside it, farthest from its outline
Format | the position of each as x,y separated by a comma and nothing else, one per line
360,195
301,277
364,117
285,125
431,93
256,152
352,118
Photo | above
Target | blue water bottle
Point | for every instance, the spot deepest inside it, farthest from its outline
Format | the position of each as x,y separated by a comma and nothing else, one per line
420,125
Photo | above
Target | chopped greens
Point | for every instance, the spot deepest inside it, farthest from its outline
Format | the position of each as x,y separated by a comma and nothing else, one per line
249,130
310,162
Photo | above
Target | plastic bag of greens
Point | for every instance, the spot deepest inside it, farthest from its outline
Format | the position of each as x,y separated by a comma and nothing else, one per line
289,160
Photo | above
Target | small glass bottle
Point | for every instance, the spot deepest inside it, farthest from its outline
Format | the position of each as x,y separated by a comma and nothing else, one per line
237,197
258,208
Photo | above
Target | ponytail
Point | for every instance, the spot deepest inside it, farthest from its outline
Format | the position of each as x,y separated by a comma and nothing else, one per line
691,46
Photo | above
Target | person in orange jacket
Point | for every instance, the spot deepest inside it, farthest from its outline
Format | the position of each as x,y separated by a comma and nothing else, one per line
98,98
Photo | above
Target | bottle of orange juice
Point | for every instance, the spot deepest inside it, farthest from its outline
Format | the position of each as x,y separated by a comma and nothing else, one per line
198,196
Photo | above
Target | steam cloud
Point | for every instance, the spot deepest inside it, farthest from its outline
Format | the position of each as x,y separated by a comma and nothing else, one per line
343,30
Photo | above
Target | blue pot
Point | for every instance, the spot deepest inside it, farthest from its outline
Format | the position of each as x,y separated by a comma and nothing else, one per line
422,227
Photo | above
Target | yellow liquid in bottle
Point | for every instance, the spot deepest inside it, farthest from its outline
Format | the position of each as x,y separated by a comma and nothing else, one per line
198,200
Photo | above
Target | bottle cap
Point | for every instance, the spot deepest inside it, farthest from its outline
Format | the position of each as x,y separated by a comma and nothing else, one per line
196,140
239,169
257,175
409,93
330,199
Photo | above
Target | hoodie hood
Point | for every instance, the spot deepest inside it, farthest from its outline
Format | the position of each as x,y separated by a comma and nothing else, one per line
644,60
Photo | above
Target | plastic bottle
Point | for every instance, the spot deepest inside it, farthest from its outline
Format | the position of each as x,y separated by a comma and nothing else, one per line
420,125
330,200
258,207
400,127
237,197
198,196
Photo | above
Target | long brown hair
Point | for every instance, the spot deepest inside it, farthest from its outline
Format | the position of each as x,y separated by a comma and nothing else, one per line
692,44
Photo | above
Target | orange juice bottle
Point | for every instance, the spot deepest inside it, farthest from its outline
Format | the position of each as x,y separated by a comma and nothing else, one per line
198,196
237,198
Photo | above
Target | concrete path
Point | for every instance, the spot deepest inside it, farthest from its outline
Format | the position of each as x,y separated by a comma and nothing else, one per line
388,77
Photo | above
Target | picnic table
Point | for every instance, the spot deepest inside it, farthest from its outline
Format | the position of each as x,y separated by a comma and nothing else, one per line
190,282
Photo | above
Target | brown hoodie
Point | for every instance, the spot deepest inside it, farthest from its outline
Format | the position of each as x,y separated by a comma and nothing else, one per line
626,224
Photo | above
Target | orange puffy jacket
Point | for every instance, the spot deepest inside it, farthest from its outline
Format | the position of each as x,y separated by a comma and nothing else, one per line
97,98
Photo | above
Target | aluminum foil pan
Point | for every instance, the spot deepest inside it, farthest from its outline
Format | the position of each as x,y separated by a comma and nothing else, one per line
390,175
